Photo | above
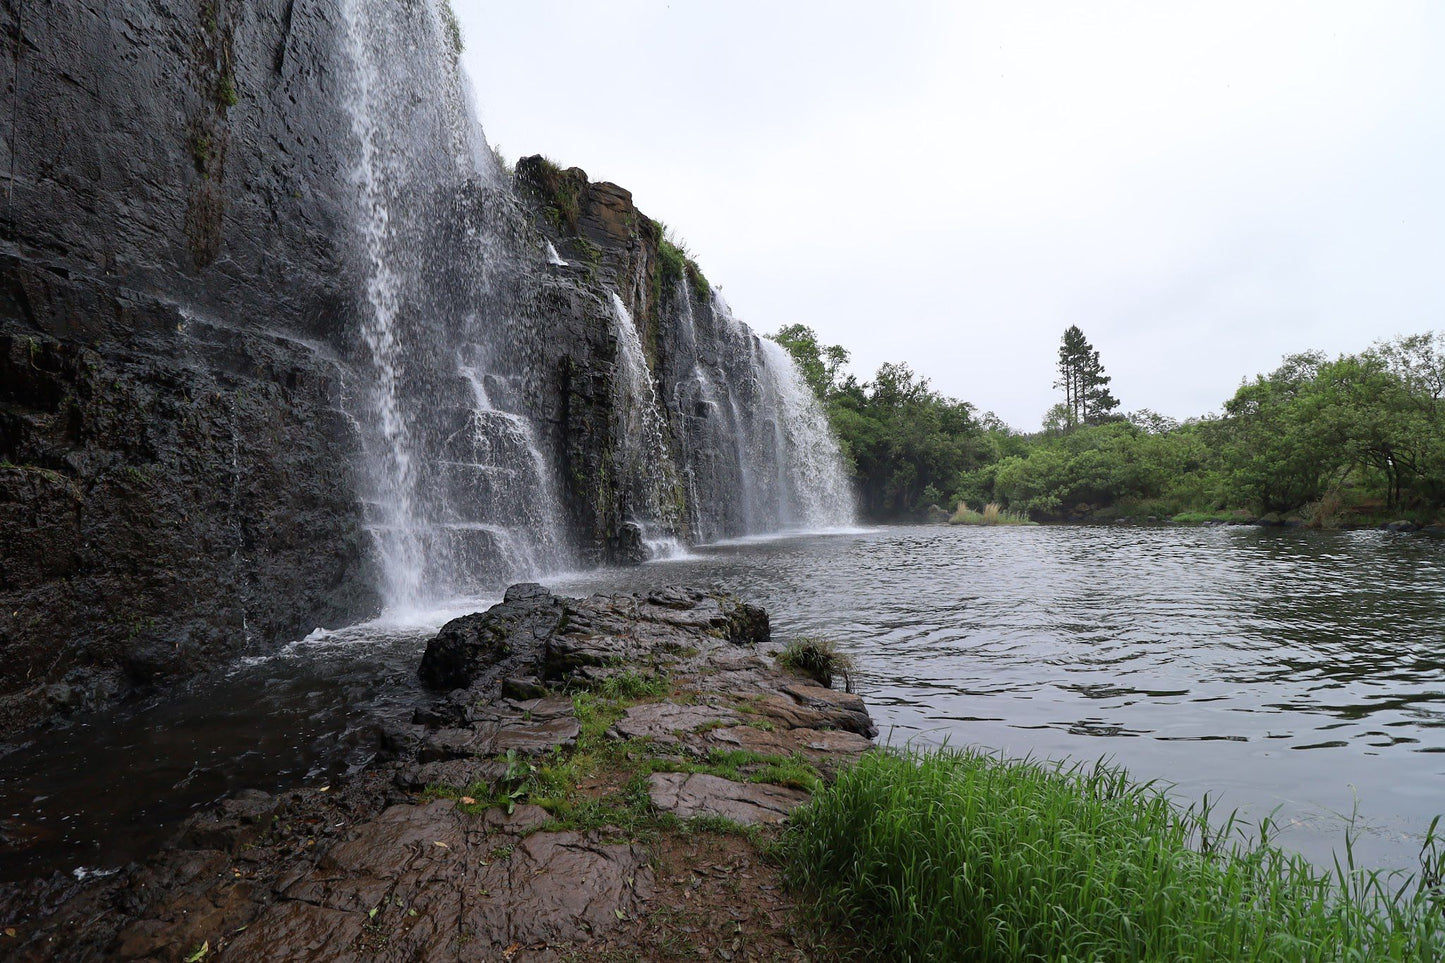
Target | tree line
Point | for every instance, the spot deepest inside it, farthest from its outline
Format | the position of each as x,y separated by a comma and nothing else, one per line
1357,438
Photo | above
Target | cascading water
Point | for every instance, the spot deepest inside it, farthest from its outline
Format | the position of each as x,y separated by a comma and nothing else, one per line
759,456
459,496
649,478
459,434
811,472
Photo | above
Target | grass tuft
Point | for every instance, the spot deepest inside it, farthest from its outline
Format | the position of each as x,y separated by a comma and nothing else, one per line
992,514
818,659
962,855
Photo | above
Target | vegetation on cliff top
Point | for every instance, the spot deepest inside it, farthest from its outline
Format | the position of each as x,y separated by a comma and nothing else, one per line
963,855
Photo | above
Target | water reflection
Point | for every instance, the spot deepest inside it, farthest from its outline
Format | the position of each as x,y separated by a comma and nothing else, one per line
1269,669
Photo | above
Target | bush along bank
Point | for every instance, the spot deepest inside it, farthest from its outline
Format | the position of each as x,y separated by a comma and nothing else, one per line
968,856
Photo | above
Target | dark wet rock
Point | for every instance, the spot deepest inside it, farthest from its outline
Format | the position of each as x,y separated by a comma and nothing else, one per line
1401,525
294,932
467,647
629,548
527,687
233,823
698,794
542,707
566,887
795,713
532,633
537,738
453,773
520,821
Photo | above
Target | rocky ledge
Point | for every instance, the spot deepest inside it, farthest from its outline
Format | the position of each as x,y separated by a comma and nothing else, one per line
592,781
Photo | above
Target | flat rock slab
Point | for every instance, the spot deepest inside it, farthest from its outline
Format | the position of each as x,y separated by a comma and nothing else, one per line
432,883
820,698
784,742
698,794
662,721
793,712
536,738
531,737
564,887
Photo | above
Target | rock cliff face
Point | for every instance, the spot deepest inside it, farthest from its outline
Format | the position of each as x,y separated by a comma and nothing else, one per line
281,343
174,302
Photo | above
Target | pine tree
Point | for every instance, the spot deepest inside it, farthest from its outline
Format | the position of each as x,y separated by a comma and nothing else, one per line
1087,400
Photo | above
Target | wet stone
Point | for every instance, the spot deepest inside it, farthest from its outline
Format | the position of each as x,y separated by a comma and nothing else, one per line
566,887
793,713
292,932
456,773
537,738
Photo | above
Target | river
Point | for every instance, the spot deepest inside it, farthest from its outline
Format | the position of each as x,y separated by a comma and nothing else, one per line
1277,671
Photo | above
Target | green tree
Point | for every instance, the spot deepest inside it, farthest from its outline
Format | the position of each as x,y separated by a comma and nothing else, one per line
821,365
1087,399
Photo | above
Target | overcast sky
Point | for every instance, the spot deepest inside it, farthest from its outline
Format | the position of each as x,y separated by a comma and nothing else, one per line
1202,187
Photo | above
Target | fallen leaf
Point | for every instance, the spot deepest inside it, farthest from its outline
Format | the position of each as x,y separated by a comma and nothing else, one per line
323,789
10,931
467,801
438,842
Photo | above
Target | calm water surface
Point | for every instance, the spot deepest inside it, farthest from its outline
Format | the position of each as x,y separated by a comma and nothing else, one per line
1272,670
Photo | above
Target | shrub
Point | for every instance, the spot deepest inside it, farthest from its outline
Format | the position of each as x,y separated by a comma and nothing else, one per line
992,514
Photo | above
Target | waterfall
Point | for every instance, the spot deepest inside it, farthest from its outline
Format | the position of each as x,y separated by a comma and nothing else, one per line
649,478
467,318
759,455
819,495
459,496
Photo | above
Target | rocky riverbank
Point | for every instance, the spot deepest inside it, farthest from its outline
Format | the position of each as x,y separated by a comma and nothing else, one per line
593,780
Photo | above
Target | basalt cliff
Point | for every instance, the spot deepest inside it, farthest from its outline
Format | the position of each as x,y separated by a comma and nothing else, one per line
283,342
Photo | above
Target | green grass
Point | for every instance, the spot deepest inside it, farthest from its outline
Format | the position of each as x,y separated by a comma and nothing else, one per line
966,856
818,659
992,514
554,780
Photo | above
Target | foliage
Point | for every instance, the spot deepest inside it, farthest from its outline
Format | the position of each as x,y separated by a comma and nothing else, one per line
962,855
451,28
676,264
905,439
992,514
819,659
1087,400
1357,438
821,366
